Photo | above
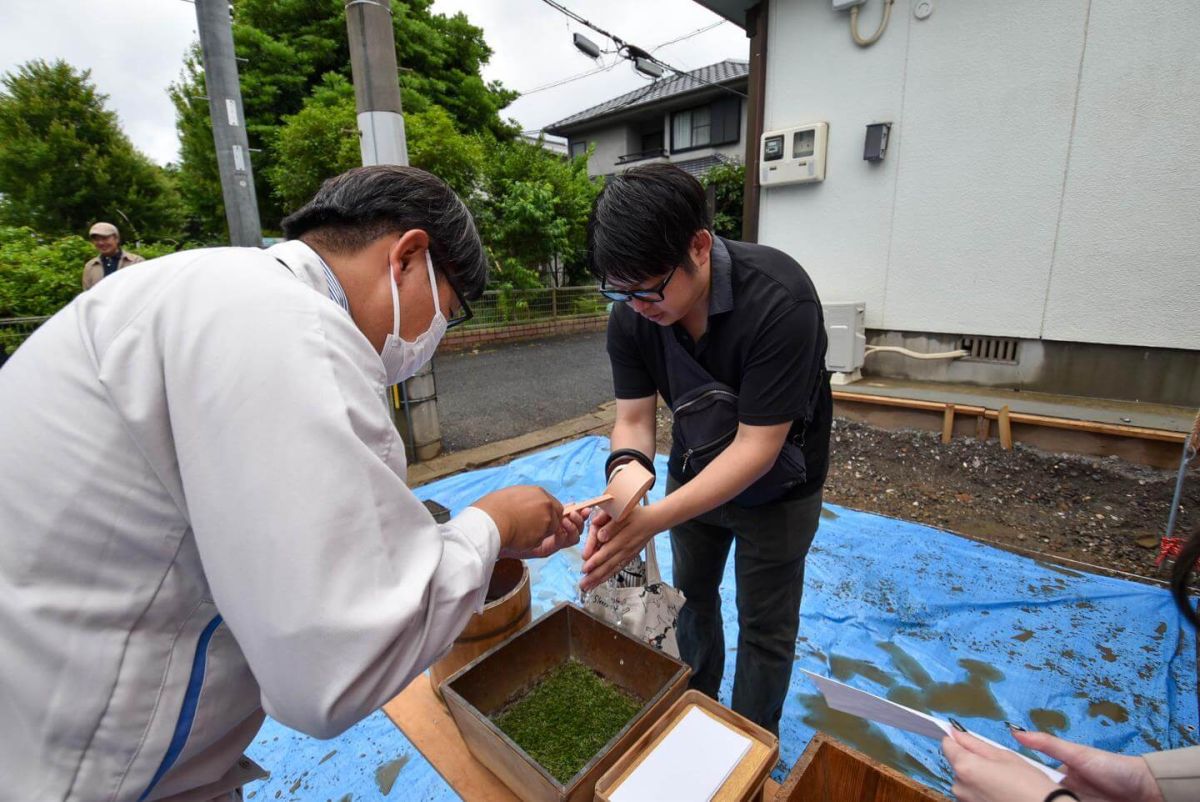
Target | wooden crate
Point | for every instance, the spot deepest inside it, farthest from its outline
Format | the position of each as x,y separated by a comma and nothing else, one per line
829,770
744,784
483,686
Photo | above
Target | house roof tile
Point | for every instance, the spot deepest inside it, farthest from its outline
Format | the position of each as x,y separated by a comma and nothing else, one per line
723,72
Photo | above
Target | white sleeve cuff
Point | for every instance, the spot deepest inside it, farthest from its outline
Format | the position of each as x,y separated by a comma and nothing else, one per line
481,531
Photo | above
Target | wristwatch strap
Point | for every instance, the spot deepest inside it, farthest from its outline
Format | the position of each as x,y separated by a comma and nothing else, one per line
1061,793
624,455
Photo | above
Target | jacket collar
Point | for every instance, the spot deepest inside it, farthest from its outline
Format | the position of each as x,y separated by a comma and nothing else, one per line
308,266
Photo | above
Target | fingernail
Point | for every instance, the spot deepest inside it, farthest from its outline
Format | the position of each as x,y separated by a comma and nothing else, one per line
954,723
1015,727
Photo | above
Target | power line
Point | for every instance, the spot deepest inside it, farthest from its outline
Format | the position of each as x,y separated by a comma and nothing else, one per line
564,10
570,78
633,52
696,32
614,62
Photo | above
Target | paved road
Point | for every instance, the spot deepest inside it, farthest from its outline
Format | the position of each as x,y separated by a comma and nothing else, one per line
509,390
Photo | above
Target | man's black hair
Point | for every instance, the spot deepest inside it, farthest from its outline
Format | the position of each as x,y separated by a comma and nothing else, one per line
643,222
352,210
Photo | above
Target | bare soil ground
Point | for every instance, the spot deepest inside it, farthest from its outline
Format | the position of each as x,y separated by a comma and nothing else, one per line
1081,508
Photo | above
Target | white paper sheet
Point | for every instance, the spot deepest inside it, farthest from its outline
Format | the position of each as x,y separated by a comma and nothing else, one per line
850,700
689,765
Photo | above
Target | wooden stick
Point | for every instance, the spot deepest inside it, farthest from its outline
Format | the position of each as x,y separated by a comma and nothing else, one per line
948,423
1094,427
1073,424
983,427
907,403
591,502
1006,441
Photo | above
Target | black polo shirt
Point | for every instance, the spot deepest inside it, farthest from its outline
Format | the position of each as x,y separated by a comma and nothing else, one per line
765,338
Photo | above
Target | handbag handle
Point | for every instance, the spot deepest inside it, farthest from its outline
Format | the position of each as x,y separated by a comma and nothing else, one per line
653,574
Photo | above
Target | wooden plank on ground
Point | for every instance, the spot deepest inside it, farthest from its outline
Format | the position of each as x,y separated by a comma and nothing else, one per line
1094,427
908,403
425,721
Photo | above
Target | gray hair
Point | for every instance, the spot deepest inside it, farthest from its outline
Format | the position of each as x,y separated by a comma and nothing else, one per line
352,210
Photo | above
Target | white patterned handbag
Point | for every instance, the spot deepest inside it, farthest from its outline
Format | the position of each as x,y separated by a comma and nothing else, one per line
638,601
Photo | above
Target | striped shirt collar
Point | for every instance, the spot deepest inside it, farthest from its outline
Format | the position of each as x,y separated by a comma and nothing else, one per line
336,293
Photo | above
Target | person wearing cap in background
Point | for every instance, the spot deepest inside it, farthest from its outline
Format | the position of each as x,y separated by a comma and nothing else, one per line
111,258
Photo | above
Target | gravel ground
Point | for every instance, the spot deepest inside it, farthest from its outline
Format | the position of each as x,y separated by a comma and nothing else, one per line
1083,508
1064,505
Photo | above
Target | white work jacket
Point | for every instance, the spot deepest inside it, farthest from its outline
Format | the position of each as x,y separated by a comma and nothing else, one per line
203,515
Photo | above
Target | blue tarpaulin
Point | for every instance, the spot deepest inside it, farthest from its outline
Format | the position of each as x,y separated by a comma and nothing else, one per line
926,618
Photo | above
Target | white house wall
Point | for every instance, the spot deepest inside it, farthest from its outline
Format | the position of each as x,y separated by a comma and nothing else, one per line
1034,185
611,144
1128,262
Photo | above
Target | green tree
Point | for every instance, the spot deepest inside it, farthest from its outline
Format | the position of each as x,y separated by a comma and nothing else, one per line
38,274
291,47
315,143
321,140
533,210
65,162
434,144
729,184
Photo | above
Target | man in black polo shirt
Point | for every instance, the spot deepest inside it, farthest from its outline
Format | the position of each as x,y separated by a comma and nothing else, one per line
732,336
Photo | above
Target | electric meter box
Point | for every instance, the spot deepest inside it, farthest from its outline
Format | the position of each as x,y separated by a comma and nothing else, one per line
793,155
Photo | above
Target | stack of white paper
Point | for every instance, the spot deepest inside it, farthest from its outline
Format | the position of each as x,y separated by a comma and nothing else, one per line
689,765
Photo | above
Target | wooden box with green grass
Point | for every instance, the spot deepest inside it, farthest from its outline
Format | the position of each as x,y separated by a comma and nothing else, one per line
549,710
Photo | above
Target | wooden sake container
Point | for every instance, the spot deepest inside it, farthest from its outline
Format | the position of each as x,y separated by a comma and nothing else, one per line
744,783
485,685
508,608
830,770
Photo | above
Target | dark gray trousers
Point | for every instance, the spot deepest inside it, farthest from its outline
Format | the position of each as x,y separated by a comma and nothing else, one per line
772,542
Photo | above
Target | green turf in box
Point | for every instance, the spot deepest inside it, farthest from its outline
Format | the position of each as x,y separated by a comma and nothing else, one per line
564,719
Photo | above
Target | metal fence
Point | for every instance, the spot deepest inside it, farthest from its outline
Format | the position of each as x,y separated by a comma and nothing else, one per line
497,308
14,330
513,307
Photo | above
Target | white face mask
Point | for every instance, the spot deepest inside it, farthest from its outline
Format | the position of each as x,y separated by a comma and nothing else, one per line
401,358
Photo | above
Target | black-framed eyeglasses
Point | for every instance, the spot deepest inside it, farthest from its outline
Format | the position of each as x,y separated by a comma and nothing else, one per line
464,312
651,295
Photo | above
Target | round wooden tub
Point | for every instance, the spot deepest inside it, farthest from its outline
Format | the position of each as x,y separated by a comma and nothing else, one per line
506,610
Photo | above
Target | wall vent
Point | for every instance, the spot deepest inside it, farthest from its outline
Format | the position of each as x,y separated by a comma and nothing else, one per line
991,349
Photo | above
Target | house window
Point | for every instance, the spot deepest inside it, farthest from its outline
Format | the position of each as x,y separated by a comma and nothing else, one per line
716,123
652,141
579,148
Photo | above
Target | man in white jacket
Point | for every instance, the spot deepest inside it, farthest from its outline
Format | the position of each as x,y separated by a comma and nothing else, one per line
203,511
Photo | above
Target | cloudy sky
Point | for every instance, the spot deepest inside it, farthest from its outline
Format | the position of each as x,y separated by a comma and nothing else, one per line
135,48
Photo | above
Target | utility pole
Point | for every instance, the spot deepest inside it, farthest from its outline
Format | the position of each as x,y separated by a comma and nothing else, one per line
214,20
376,87
382,141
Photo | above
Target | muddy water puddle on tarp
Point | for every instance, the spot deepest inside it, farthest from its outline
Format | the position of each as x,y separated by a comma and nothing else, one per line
864,736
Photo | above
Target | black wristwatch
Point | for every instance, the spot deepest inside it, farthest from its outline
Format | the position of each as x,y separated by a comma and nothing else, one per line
624,455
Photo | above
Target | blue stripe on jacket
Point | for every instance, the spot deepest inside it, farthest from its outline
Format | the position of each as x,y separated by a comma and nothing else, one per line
187,713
